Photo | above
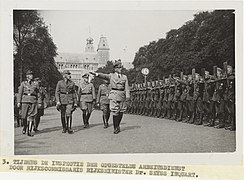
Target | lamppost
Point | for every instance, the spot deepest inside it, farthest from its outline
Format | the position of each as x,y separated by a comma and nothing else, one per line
145,72
21,59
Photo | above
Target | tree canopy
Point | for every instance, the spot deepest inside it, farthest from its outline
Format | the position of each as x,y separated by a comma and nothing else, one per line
34,49
203,42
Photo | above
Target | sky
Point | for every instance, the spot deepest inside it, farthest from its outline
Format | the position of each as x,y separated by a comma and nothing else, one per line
126,30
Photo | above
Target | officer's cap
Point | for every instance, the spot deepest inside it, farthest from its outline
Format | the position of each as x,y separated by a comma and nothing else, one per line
66,72
117,64
37,79
29,72
86,75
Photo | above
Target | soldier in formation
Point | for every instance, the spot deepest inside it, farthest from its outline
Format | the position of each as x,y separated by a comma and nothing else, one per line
200,99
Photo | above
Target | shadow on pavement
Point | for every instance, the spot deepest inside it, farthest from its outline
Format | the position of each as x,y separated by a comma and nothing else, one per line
130,128
48,130
79,128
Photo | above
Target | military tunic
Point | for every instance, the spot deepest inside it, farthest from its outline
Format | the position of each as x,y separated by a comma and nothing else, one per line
119,91
28,97
86,94
102,96
65,94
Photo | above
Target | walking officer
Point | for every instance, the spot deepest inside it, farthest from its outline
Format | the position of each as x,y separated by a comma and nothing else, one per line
119,94
40,108
102,99
86,99
28,100
66,100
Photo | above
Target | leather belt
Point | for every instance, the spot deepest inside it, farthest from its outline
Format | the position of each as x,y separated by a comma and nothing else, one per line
85,93
104,94
29,94
66,92
118,89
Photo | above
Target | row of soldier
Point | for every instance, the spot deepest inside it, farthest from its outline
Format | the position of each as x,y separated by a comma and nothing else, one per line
191,98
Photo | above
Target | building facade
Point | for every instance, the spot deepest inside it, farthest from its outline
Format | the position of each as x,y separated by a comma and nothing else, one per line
81,63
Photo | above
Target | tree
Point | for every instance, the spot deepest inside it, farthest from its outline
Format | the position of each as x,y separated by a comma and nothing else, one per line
33,49
203,42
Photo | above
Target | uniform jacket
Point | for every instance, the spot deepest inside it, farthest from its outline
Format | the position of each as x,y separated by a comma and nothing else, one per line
103,93
171,94
28,92
119,86
65,92
42,96
86,92
190,92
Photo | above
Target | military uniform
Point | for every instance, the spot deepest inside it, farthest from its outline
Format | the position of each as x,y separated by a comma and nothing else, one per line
148,100
199,103
40,108
230,102
170,105
182,102
86,99
220,102
102,98
176,100
162,91
118,95
17,111
28,98
190,103
66,102
206,100
165,102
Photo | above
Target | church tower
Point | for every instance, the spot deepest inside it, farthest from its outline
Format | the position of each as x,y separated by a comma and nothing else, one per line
89,45
103,52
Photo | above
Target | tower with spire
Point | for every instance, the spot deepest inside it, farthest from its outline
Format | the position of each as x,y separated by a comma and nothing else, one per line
89,45
103,51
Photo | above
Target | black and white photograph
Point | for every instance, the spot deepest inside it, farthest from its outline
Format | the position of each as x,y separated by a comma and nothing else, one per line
108,84
90,82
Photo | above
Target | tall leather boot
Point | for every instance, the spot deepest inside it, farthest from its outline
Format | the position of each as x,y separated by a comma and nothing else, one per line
115,123
175,115
24,125
221,121
69,124
30,123
168,114
119,119
104,121
180,116
107,118
155,112
192,119
87,118
18,121
233,123
200,120
63,124
162,113
212,120
84,119
158,113
36,122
